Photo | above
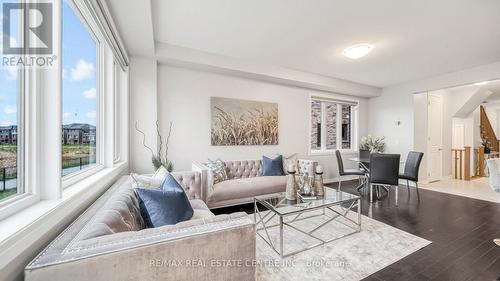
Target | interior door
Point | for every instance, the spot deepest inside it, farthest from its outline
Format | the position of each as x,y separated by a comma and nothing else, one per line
435,138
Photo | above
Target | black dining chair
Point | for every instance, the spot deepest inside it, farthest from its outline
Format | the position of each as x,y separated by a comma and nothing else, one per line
412,166
384,171
364,154
349,172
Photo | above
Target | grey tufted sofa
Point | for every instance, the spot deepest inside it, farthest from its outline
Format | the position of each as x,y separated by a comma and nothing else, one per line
244,182
109,242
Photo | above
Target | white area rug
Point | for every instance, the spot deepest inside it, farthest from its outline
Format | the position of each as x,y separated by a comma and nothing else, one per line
350,258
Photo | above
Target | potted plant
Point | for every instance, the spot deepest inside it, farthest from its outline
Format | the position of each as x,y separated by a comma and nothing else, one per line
487,149
373,144
158,159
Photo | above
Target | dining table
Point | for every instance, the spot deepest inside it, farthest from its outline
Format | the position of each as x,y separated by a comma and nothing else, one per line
364,162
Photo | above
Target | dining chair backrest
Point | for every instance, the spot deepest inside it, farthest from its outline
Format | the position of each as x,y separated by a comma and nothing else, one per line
340,164
384,168
412,164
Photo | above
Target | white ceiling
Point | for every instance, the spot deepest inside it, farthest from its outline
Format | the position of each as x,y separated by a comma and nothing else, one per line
413,39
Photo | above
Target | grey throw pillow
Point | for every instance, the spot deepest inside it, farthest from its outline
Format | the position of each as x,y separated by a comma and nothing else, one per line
272,167
164,206
218,169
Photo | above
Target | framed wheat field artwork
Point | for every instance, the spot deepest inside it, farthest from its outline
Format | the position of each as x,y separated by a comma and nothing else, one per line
243,122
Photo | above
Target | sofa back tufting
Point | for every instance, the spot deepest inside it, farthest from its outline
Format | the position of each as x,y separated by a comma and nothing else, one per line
243,169
120,213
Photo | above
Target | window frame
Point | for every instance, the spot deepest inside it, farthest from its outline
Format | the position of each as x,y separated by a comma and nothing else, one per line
116,114
89,23
323,99
42,122
22,190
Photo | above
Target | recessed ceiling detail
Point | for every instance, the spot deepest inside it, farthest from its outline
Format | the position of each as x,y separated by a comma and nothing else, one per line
413,39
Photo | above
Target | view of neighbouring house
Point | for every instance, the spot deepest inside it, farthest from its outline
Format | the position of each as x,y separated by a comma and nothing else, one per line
8,135
78,152
78,134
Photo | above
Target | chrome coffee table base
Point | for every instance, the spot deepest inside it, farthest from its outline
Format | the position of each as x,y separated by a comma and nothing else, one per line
263,219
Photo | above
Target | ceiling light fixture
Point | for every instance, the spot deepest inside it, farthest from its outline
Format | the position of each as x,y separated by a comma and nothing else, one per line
481,83
357,51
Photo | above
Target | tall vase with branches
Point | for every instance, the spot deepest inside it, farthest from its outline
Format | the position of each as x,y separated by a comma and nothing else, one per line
158,159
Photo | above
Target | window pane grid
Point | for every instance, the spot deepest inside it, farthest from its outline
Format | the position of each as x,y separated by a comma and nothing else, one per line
315,125
11,117
331,125
346,126
80,95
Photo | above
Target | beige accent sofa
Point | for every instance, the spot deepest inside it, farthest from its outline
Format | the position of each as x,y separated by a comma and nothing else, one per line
244,182
109,242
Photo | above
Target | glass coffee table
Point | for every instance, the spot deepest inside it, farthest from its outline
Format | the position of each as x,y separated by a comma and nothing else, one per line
333,207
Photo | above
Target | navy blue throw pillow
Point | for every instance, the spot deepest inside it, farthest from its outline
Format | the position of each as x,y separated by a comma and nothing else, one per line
272,167
164,206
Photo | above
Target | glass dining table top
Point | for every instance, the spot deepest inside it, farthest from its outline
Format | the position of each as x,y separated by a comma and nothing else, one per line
366,160
360,159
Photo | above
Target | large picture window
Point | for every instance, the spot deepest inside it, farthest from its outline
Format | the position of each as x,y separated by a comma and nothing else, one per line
80,94
332,125
10,146
11,121
74,104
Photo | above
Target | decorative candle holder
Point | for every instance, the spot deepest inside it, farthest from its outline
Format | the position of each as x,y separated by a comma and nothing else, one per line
305,187
291,187
318,184
311,182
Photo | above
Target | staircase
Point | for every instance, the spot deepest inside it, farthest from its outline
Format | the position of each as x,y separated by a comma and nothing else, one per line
487,134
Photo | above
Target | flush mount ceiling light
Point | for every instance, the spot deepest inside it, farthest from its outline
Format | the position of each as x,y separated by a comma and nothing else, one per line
357,51
481,83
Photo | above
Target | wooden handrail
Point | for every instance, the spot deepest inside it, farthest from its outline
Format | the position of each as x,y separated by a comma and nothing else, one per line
461,163
480,160
467,163
486,131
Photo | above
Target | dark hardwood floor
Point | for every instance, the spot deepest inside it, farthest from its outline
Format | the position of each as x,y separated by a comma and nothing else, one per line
461,230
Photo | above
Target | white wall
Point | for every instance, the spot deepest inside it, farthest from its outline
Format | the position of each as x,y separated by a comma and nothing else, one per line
420,109
396,102
498,123
468,124
143,106
184,98
492,116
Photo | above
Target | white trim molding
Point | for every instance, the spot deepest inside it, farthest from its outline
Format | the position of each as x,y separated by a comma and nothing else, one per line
194,59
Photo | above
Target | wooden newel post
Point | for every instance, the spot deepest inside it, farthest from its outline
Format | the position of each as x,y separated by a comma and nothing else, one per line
467,163
480,159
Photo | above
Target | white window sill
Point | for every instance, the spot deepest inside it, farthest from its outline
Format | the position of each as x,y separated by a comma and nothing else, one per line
46,217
